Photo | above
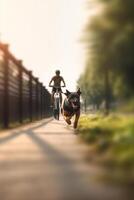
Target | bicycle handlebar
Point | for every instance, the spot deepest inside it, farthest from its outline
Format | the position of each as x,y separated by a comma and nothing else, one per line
57,87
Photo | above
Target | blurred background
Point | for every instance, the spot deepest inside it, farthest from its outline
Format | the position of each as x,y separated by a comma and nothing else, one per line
92,43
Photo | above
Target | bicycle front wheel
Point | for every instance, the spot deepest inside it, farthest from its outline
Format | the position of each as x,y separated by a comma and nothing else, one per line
57,111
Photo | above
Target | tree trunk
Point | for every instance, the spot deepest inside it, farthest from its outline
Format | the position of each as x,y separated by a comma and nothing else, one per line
85,105
107,91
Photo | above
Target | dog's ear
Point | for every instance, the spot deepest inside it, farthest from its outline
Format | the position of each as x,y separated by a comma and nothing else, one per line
79,92
67,93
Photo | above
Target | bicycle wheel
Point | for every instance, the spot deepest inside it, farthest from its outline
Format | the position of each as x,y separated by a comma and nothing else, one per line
58,112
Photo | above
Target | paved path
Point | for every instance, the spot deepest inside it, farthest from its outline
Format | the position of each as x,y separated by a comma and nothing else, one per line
46,161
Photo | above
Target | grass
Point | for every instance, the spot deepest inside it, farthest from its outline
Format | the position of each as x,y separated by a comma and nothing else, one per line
126,107
112,140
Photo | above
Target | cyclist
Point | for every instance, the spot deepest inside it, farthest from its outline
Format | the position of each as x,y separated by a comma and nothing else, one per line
57,79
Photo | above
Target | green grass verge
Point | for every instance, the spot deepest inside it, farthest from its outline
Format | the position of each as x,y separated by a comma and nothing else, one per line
112,138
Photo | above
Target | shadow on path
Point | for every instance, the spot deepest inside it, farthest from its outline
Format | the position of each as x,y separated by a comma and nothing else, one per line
71,183
15,133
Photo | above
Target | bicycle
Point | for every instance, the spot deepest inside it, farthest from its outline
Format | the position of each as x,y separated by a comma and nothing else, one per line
56,103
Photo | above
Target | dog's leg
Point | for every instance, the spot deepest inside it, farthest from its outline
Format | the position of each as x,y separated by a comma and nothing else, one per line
67,118
76,119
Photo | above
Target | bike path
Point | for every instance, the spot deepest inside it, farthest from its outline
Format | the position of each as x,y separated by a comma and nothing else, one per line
46,161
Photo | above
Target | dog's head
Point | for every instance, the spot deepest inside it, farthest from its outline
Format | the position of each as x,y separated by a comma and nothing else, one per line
74,98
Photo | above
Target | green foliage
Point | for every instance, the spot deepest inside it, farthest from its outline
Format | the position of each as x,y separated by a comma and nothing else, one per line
92,90
109,42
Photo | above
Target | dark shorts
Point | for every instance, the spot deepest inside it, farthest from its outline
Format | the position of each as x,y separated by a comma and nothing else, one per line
54,90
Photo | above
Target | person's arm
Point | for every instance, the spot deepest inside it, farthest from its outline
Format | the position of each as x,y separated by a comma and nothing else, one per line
63,82
51,82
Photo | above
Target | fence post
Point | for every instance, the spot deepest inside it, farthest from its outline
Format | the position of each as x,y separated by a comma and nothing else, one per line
6,88
20,92
41,107
37,98
43,101
31,95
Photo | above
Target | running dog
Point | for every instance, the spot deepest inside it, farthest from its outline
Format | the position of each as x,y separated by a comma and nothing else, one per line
71,107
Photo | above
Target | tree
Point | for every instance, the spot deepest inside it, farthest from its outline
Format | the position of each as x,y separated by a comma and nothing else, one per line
109,41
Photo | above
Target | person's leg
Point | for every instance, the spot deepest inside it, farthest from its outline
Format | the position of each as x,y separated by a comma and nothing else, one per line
60,98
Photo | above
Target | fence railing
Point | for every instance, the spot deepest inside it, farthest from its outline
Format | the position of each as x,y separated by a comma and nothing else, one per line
22,97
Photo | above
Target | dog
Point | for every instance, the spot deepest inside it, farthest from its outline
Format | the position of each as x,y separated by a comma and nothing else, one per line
71,107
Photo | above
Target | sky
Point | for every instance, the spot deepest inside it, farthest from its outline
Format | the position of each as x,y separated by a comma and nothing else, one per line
46,35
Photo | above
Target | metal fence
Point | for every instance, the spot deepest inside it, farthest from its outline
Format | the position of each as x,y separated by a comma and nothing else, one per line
22,97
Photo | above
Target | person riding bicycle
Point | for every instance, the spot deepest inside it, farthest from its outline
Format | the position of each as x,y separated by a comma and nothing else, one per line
57,79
